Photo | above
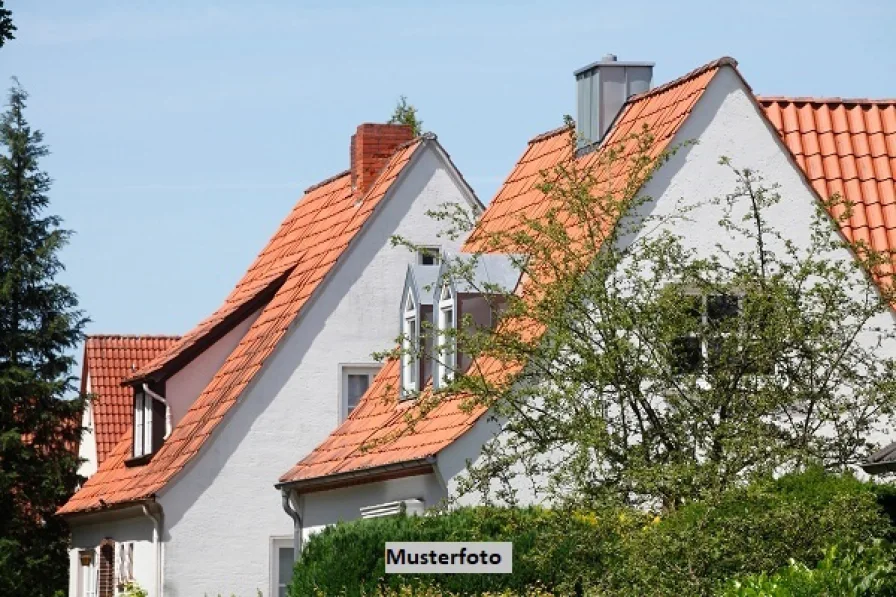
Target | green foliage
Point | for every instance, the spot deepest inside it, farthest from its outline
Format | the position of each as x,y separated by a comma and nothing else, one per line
612,551
6,26
39,326
865,571
405,113
132,589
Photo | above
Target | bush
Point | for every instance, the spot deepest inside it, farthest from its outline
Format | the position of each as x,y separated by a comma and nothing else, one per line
860,572
691,551
750,530
557,550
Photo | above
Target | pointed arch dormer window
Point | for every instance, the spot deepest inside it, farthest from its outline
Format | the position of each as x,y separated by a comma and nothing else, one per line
410,339
446,349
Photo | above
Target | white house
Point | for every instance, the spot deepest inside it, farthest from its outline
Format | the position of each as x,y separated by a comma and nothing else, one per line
813,148
183,504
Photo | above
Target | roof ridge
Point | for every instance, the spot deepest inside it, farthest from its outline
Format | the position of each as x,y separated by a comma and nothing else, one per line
824,100
327,181
719,62
129,336
547,135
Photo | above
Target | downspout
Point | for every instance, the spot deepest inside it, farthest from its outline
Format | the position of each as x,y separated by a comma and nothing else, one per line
296,523
161,399
157,545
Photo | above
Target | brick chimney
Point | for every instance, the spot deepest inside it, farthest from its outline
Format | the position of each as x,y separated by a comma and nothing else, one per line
372,146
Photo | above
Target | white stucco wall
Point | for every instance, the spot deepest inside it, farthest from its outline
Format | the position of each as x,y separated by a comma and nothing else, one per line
182,388
222,511
324,508
87,447
123,527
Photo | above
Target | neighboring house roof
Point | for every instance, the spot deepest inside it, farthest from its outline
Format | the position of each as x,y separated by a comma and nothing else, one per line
843,146
295,262
109,360
376,434
882,461
846,147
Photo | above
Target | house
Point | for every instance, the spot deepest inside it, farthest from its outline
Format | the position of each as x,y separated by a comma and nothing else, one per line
109,360
375,464
183,503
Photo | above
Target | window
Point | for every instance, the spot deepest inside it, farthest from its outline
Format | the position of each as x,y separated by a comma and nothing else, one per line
124,563
355,379
282,562
446,358
410,341
150,423
429,256
87,573
106,584
701,345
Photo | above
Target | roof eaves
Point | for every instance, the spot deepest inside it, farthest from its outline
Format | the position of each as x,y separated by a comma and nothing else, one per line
394,470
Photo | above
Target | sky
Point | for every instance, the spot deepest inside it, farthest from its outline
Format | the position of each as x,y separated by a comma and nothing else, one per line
182,132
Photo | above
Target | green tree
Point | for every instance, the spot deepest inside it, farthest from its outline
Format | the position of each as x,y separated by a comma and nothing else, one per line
39,325
405,113
6,26
644,370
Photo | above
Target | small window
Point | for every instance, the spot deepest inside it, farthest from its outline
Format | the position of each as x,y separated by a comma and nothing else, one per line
149,423
410,360
429,256
124,563
690,352
355,381
446,357
87,573
282,563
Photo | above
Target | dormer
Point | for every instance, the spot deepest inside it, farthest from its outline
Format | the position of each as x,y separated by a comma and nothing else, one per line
471,286
151,422
416,321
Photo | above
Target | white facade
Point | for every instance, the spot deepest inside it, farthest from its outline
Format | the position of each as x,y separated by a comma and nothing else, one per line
87,447
223,520
726,122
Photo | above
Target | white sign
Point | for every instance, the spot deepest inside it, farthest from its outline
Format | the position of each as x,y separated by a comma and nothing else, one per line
449,557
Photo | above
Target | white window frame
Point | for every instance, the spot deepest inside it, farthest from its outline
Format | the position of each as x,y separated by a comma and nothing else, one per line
345,369
446,357
410,340
88,576
278,543
143,404
124,562
434,252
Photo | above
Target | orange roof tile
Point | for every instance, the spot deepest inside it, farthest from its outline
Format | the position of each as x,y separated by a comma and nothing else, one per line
109,359
376,433
293,264
845,146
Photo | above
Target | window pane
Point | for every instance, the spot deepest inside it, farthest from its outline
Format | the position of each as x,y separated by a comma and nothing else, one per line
686,354
721,306
357,385
285,562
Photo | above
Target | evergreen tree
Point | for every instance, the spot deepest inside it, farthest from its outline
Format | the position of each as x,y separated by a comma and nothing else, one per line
39,326
6,26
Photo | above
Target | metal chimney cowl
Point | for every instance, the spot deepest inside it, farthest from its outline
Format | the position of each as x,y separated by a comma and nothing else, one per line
602,88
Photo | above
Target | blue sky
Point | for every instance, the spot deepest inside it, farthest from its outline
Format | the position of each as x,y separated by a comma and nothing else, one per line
183,132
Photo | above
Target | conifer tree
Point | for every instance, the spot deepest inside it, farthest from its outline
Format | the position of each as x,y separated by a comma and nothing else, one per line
40,324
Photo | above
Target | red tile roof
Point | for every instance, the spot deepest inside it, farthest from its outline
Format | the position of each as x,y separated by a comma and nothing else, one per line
109,360
846,147
294,263
376,433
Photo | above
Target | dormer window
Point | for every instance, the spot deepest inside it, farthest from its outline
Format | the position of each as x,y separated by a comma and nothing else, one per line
429,256
410,334
446,355
150,421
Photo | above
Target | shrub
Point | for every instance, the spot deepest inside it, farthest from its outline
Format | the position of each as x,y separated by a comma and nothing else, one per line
614,551
557,550
866,571
749,530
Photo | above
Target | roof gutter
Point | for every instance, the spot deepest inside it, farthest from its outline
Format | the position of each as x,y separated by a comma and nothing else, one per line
384,472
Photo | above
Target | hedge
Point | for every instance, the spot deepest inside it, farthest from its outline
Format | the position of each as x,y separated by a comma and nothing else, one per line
615,551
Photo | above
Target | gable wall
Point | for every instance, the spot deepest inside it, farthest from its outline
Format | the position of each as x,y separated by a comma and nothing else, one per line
87,447
225,500
727,123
